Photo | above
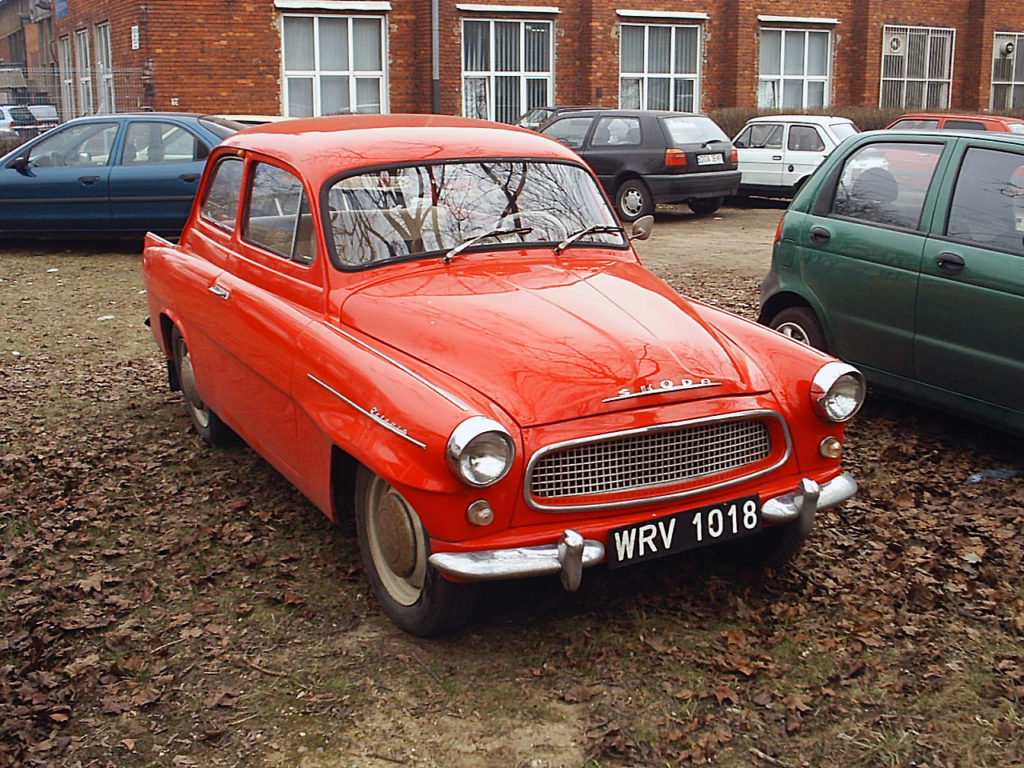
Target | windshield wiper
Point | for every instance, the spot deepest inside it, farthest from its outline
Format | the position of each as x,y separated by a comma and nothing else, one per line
595,229
447,258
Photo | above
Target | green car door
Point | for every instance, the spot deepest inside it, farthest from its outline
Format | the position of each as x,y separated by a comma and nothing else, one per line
970,310
858,251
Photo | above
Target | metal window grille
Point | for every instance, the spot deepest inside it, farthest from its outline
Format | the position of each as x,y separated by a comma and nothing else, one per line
1008,71
917,67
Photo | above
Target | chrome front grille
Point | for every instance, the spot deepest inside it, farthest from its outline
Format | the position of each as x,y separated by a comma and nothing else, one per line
648,459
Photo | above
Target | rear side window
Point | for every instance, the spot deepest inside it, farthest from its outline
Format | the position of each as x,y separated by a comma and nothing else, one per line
279,218
965,125
616,132
804,138
988,201
571,131
760,136
150,142
693,129
222,194
915,125
887,183
843,130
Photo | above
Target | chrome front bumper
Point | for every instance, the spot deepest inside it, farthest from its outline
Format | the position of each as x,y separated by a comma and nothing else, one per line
572,553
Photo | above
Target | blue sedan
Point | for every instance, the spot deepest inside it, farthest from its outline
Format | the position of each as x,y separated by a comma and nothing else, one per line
108,175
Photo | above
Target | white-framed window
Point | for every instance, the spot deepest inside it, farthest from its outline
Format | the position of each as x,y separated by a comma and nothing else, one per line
795,68
1008,71
83,73
917,67
104,70
67,76
334,65
659,67
506,68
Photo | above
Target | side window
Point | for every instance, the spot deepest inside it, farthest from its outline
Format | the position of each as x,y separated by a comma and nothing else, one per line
616,132
915,125
223,193
964,125
887,183
79,146
279,218
805,138
761,136
148,142
570,131
988,201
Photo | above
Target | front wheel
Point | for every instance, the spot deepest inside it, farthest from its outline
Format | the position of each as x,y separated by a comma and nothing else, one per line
206,422
394,548
705,206
800,324
633,200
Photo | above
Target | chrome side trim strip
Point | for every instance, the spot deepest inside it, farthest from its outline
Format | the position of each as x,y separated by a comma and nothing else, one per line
373,414
430,385
636,502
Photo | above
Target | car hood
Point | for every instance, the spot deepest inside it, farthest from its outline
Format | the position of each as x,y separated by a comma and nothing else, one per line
553,340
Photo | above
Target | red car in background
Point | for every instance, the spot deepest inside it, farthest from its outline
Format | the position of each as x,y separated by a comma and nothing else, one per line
948,121
439,326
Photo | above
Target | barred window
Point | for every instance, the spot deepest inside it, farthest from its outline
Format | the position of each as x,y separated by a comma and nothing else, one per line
917,67
1008,71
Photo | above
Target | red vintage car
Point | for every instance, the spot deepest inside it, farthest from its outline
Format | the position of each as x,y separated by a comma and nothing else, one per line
439,326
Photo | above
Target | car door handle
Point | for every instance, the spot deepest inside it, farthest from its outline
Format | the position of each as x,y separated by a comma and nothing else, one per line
820,235
776,157
88,179
189,176
950,262
220,293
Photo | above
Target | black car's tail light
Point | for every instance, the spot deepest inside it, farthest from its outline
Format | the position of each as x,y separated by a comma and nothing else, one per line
675,157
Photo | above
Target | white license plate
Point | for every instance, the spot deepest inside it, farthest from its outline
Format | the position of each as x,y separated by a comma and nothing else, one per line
683,531
715,158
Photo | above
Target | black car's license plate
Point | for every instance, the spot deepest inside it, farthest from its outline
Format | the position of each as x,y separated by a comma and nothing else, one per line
691,529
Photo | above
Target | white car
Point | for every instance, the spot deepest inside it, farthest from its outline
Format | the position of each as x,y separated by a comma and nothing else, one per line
778,152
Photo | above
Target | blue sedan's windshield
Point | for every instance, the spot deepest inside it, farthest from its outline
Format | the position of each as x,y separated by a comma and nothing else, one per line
404,212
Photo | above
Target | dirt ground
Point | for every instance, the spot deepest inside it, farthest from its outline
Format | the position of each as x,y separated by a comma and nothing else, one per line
163,603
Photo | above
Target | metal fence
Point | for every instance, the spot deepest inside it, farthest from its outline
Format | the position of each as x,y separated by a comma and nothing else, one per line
74,93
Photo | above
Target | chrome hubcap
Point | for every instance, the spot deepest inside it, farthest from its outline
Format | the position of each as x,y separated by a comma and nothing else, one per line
795,332
187,375
396,542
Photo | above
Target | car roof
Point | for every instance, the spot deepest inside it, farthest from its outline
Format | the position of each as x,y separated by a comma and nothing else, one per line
612,112
931,134
957,116
817,119
322,147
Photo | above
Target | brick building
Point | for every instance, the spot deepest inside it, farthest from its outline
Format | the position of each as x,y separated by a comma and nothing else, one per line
496,58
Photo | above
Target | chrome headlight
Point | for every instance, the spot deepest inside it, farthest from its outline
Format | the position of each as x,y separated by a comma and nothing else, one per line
480,451
837,391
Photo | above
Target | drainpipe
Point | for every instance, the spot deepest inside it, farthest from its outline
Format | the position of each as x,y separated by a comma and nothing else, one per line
435,56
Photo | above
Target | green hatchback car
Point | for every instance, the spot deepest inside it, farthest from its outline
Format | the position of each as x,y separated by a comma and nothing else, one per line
904,255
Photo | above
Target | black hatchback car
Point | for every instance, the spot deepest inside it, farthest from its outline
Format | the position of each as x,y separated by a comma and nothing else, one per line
648,157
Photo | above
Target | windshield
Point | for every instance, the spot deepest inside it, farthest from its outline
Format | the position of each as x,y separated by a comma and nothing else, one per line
405,212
